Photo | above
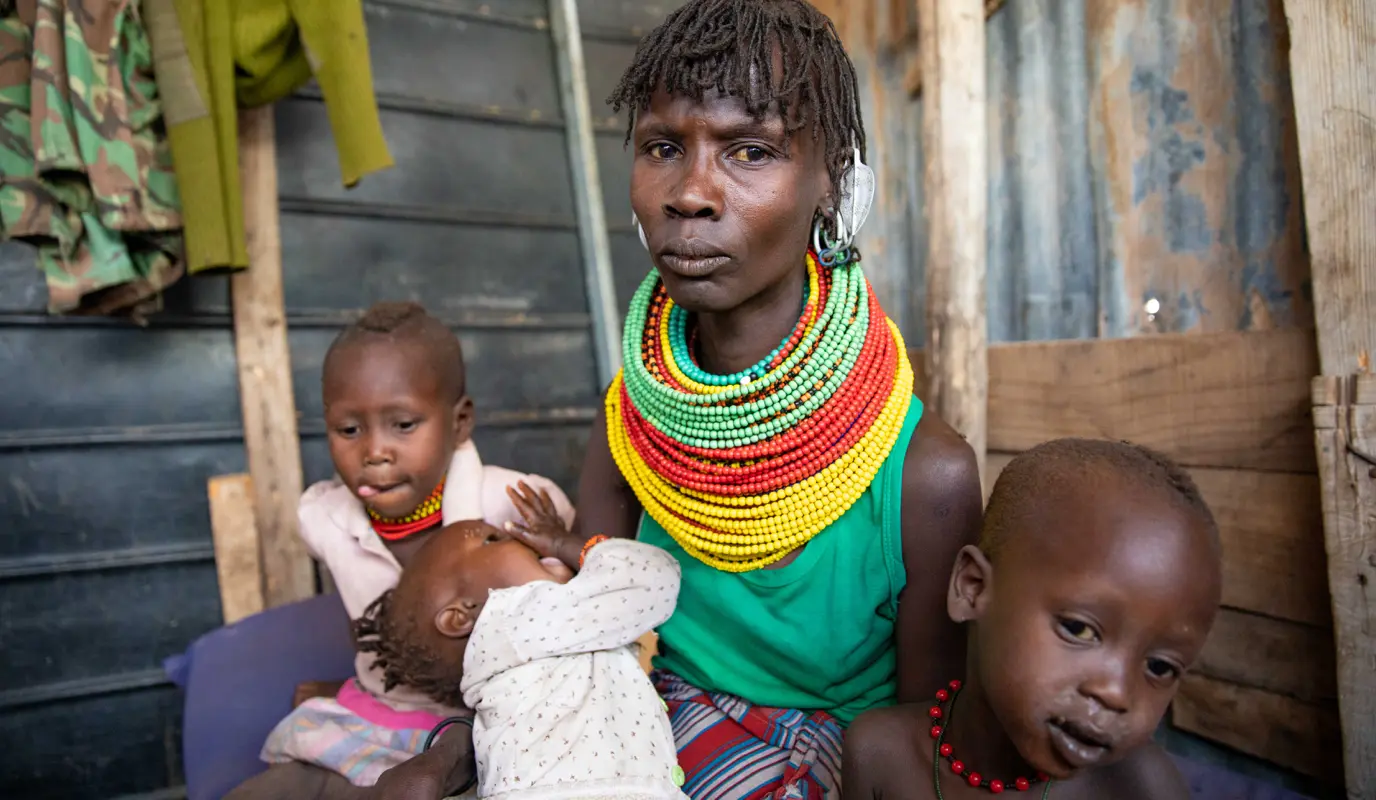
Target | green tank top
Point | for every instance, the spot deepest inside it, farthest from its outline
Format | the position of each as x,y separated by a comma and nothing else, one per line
816,634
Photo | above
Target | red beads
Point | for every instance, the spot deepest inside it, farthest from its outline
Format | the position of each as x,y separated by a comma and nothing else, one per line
942,695
946,751
1022,784
957,766
974,779
934,712
955,686
996,787
936,731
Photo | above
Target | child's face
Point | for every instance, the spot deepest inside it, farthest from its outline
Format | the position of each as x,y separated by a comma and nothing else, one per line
1087,620
392,429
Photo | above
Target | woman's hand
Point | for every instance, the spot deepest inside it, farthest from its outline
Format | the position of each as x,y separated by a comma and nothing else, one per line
437,773
543,530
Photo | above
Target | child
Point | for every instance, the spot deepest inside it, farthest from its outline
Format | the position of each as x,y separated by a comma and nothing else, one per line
563,709
398,421
1091,592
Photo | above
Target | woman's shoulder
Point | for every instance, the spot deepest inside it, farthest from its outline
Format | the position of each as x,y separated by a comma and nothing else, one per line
940,465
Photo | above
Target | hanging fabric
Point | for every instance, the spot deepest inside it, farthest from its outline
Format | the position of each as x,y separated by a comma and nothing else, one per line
85,170
215,55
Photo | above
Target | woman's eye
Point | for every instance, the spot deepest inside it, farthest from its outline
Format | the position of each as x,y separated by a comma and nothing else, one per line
1078,630
1160,668
749,154
662,151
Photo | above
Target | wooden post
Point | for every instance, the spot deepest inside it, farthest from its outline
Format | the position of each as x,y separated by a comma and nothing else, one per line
234,528
260,344
951,48
1333,67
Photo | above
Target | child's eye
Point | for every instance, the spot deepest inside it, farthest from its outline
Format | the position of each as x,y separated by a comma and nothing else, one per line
408,425
1163,669
348,431
1079,631
749,154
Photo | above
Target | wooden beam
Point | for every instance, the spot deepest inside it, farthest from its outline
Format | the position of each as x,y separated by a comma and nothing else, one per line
1272,532
1282,730
265,392
235,534
1333,68
951,48
1345,438
912,79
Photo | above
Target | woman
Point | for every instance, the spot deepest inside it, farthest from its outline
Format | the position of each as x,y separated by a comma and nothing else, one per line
763,430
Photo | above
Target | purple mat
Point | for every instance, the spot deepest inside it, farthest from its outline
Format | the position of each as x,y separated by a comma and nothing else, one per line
1215,783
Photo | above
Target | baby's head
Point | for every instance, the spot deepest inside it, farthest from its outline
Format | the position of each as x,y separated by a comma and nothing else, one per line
1092,591
419,630
395,406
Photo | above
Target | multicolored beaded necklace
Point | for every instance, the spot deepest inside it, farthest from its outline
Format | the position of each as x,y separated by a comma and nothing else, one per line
743,469
426,516
944,751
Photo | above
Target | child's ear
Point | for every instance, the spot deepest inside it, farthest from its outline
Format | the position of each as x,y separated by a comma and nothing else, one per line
968,594
463,419
456,619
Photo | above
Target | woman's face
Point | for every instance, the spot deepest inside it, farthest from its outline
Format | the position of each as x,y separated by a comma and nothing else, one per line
726,200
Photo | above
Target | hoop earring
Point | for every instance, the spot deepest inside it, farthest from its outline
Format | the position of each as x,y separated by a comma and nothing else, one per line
830,252
640,230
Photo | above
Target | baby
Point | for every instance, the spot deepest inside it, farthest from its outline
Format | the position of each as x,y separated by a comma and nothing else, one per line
1091,593
545,658
398,421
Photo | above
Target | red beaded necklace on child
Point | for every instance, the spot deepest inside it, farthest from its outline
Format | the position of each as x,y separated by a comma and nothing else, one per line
426,516
959,767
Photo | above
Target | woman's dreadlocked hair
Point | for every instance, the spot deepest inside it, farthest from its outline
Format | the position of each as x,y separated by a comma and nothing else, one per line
730,46
393,639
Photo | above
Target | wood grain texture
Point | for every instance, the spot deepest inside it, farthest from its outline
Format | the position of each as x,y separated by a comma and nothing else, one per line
1333,67
235,533
1230,400
265,390
1273,655
1282,730
951,47
1348,479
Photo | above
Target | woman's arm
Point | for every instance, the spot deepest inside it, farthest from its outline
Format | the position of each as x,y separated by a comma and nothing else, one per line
942,509
606,504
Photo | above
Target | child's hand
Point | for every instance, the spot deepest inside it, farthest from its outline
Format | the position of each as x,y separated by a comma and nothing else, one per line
543,530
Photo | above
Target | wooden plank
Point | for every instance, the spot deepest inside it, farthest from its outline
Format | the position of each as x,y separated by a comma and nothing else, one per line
951,48
235,534
1333,69
265,391
1272,532
1348,477
1282,730
1229,400
1273,655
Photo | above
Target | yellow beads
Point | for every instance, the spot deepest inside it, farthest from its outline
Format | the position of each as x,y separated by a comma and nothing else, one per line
740,534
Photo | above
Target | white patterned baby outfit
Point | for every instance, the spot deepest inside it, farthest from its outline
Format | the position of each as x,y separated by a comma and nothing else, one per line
564,710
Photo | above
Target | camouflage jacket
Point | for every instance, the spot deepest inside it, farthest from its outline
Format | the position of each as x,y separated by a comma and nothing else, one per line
85,168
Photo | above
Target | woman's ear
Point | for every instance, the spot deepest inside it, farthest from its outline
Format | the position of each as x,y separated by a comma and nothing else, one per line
456,620
971,585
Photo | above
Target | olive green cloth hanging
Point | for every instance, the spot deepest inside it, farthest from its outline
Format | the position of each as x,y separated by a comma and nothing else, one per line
212,56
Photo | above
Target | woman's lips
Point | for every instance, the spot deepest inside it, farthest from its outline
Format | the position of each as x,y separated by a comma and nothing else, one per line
689,267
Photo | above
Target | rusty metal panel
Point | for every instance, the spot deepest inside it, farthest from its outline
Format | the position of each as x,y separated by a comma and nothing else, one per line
1195,164
1144,172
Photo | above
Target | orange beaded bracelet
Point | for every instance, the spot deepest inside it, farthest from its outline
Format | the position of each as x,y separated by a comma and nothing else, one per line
590,544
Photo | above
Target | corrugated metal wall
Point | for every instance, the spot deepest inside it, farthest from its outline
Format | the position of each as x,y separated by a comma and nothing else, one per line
108,432
1138,150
